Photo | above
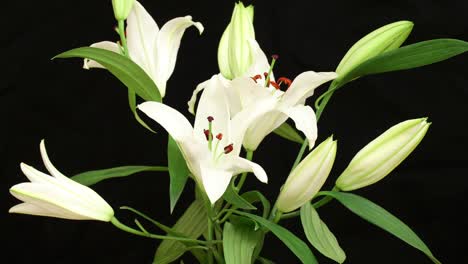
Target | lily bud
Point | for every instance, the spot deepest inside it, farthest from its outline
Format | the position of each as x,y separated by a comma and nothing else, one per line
381,40
383,154
122,8
235,54
308,177
58,196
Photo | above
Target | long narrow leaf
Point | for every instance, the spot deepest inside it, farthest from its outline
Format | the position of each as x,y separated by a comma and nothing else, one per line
231,196
121,67
380,217
92,177
178,172
319,235
408,57
239,243
192,224
296,245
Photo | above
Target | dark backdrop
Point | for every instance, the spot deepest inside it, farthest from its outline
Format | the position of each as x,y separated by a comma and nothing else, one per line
85,118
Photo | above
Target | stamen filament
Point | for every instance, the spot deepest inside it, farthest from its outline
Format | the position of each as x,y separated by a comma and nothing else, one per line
273,61
210,135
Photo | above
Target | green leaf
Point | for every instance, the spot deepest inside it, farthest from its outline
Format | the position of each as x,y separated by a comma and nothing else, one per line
92,177
319,235
256,196
296,245
192,224
121,67
178,172
380,217
263,260
231,196
128,72
239,242
408,57
288,132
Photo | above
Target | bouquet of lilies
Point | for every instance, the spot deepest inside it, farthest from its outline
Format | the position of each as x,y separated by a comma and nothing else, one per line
234,111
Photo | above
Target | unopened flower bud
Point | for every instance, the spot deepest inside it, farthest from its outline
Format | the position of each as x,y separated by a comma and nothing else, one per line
386,38
235,54
308,177
383,154
122,8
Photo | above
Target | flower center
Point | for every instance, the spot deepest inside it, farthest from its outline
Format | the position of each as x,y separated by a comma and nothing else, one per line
209,137
278,84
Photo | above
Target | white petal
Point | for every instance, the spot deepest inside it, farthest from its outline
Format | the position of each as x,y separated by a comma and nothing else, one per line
34,175
49,210
304,85
50,167
305,120
167,46
142,32
248,117
215,182
193,99
248,91
213,103
46,195
174,122
260,64
238,165
107,45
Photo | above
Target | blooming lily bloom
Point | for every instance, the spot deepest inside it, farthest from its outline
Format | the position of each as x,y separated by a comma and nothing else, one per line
57,195
211,147
244,92
153,49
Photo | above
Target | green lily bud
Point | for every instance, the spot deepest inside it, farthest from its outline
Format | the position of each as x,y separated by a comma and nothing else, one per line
122,8
383,39
308,177
383,154
235,54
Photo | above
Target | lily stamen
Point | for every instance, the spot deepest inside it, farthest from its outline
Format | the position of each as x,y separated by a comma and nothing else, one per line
267,75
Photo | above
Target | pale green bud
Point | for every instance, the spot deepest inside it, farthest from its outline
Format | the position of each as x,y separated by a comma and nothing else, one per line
122,8
235,54
381,40
383,154
308,177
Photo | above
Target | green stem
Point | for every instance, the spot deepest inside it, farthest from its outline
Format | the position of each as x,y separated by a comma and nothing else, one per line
209,238
130,230
248,156
123,39
156,223
318,114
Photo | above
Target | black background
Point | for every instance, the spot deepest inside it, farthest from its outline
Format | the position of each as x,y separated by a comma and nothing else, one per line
85,118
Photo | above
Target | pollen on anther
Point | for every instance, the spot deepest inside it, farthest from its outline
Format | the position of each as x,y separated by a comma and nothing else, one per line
207,134
274,84
210,119
219,136
228,148
285,80
256,77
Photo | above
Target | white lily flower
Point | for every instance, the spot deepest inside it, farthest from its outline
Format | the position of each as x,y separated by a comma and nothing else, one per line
57,195
211,147
153,49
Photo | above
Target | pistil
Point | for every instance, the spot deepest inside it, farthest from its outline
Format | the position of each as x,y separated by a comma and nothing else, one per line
267,77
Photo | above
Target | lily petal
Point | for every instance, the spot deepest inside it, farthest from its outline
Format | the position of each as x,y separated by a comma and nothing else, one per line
193,99
260,62
304,85
107,45
238,165
213,103
174,122
142,32
49,210
305,120
167,46
215,182
48,164
49,196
